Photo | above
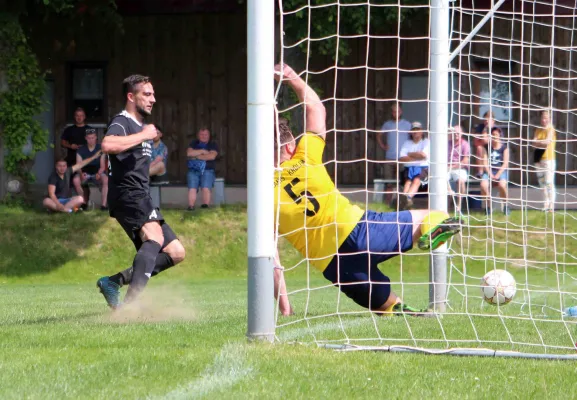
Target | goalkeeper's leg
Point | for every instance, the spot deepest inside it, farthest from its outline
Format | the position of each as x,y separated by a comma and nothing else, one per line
433,228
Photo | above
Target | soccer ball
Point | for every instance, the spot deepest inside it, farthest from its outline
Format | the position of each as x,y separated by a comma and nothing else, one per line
498,287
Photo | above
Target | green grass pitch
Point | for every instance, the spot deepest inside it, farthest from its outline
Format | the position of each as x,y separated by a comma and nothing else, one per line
59,341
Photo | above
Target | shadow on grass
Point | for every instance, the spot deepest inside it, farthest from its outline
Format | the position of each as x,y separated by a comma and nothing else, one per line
35,242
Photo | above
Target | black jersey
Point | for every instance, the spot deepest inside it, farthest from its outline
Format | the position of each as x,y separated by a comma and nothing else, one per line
129,170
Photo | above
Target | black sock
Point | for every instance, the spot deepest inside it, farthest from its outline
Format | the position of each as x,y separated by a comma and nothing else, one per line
143,266
162,263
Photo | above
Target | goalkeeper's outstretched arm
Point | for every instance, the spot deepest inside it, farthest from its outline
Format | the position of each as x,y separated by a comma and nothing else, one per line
280,293
314,108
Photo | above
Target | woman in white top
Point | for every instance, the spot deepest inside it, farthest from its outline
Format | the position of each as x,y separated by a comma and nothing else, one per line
415,155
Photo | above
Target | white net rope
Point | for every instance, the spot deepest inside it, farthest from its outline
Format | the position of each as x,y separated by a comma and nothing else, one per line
521,62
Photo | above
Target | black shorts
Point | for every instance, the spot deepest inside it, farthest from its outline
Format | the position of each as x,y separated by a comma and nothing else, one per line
133,213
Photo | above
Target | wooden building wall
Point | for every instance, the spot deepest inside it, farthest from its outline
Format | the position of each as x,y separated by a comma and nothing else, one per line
198,66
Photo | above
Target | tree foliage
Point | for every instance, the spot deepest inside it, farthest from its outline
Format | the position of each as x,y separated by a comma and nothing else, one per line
326,20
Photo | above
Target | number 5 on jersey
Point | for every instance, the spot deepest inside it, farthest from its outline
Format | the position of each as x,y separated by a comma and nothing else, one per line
297,199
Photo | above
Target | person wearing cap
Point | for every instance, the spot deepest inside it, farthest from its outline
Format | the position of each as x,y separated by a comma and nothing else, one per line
94,172
415,155
459,154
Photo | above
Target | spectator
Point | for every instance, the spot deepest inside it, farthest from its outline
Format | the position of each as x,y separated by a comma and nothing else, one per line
94,172
74,136
159,155
544,157
459,152
415,155
201,154
394,133
481,141
495,170
59,194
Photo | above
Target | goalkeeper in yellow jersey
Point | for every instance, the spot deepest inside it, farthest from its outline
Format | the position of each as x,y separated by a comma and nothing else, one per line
340,239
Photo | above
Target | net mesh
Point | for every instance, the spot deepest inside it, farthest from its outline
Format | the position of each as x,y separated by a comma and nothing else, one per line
364,57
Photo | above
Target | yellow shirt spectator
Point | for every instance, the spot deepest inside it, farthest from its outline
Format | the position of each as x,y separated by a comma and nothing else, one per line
542,134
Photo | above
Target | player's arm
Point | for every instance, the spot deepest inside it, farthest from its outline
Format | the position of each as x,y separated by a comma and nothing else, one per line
79,165
211,155
52,195
194,153
382,140
114,142
102,164
78,158
314,108
544,142
404,154
280,287
485,162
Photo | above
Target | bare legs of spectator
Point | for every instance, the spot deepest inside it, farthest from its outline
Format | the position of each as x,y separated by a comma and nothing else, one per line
503,194
191,198
206,194
73,203
461,187
479,156
157,169
409,190
104,191
77,185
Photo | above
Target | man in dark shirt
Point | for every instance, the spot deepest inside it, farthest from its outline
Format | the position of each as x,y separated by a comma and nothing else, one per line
95,171
59,193
74,136
128,143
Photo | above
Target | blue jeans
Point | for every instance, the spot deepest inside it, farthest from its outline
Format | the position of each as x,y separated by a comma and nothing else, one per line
196,180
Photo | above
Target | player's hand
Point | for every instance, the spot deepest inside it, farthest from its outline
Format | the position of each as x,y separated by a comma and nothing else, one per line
97,176
287,72
149,132
74,146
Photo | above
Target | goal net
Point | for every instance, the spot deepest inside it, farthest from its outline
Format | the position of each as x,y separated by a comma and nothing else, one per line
511,61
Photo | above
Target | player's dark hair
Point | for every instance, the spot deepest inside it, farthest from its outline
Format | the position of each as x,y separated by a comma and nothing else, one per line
284,135
61,159
79,109
497,129
159,128
487,113
129,85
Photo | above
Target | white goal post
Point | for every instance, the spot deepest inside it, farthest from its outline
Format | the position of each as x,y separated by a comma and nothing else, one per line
487,64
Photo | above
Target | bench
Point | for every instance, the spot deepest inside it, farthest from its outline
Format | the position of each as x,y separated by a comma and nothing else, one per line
473,200
156,186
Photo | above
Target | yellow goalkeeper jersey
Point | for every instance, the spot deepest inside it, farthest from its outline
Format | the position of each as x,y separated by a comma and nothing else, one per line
541,134
312,214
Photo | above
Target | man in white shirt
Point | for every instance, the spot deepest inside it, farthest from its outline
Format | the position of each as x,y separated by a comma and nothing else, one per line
415,155
394,133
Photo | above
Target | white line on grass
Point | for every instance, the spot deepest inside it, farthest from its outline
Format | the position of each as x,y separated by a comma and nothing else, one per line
228,368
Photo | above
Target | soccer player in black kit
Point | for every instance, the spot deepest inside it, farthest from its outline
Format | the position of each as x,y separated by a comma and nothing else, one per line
128,143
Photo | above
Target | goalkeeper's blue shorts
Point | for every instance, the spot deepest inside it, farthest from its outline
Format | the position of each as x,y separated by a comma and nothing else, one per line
376,238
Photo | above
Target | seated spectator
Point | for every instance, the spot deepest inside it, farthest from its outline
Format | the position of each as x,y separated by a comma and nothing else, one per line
415,155
544,158
201,154
459,152
94,172
59,193
159,155
495,170
481,141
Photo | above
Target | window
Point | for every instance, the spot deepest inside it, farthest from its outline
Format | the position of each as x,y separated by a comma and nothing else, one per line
87,90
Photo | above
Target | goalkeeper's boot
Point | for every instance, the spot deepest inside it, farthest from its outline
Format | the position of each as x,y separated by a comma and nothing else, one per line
110,290
440,234
402,308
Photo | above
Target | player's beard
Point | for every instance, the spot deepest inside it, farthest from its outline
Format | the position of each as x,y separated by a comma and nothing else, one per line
143,113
